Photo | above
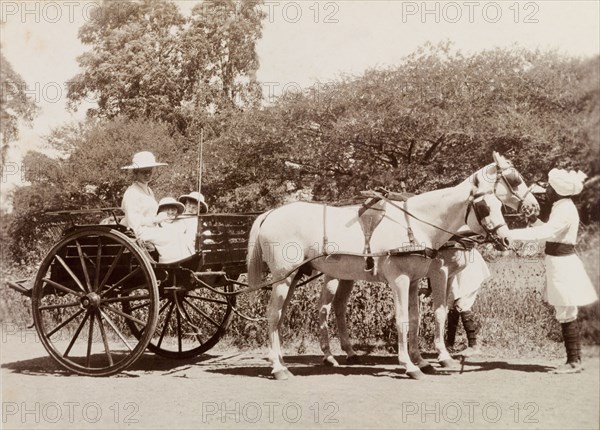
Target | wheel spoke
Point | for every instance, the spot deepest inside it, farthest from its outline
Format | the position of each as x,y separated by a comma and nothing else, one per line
65,322
126,291
76,335
111,269
64,305
179,334
105,339
194,307
208,299
98,256
62,287
70,272
167,318
189,319
90,337
116,329
124,315
129,275
164,307
83,266
125,299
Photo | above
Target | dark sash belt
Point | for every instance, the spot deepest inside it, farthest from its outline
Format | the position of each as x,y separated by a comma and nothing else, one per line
559,249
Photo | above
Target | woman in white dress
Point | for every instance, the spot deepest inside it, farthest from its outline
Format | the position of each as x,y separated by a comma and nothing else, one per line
567,284
140,208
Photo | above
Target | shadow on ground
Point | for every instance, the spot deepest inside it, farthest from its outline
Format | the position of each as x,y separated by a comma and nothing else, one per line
258,367
148,362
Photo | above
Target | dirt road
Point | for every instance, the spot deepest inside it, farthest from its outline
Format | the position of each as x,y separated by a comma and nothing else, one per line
228,389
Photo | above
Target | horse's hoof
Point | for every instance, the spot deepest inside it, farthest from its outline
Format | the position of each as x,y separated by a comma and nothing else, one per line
428,369
330,362
281,375
353,360
416,374
449,363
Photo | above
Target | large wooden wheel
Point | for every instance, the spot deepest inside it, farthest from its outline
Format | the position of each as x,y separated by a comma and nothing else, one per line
190,321
81,292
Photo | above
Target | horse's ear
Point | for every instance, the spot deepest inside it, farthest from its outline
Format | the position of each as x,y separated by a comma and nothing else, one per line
500,160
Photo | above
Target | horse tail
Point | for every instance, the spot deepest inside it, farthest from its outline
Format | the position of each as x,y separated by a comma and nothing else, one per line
255,254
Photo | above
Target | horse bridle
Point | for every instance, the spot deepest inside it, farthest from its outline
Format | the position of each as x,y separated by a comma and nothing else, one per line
511,183
481,208
482,211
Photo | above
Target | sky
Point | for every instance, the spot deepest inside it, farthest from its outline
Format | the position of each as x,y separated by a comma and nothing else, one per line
303,42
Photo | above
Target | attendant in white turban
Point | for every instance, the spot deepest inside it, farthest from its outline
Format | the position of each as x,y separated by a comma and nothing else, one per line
567,284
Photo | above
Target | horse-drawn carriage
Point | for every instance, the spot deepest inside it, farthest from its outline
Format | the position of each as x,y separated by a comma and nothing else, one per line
100,298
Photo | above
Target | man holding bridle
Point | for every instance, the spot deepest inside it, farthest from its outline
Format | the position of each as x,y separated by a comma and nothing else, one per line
567,284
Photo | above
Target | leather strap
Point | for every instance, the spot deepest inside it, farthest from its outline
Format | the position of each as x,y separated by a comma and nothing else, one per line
556,249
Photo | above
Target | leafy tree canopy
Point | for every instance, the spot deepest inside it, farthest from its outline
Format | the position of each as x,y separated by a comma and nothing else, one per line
146,60
14,105
427,123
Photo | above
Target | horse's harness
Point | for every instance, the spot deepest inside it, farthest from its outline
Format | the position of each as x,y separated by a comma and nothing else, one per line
464,241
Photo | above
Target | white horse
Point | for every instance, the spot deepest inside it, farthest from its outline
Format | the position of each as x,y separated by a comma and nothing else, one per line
301,237
336,292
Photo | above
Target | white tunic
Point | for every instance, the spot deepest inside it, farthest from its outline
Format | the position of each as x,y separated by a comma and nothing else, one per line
567,283
170,240
140,207
191,229
469,279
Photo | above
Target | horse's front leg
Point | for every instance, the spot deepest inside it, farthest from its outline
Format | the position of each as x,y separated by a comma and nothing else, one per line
415,324
325,301
438,277
400,291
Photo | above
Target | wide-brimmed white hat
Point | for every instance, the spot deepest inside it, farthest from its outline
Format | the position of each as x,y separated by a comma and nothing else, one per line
196,196
142,160
170,201
566,183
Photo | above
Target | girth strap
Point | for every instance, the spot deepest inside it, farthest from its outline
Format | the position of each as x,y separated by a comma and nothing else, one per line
370,215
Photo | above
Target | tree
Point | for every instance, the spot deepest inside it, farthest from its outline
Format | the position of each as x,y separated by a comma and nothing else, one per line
219,56
148,61
427,123
15,105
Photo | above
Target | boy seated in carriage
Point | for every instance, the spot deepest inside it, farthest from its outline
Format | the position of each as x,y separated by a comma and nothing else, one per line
171,250
195,204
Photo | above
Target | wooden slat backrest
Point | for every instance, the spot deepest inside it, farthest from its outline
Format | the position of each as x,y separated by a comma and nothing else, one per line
223,239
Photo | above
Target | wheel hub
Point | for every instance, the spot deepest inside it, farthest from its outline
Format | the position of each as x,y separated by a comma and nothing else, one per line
90,300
